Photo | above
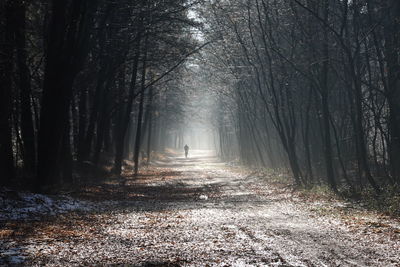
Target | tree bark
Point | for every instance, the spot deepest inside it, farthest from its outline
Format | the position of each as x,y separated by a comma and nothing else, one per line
150,123
119,146
27,128
392,46
140,115
7,171
63,60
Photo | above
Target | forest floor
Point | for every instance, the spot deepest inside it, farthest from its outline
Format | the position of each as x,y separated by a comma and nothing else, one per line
201,212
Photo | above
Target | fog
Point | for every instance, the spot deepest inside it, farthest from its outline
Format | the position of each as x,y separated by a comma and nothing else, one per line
196,129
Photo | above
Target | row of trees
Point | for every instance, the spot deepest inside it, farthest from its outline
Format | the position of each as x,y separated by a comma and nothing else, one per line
86,81
310,84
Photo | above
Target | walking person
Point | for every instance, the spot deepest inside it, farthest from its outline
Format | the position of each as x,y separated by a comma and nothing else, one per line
186,147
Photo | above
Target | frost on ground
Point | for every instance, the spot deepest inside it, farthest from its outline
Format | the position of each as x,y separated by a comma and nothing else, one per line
23,206
198,212
28,206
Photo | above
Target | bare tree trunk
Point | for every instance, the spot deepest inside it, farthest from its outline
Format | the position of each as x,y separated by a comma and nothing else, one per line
27,129
324,91
140,115
66,155
150,123
102,121
119,149
94,113
82,106
64,57
6,69
392,44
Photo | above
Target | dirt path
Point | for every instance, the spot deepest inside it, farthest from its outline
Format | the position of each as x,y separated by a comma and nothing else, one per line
198,212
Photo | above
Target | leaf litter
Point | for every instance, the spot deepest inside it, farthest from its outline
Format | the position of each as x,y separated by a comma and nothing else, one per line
201,212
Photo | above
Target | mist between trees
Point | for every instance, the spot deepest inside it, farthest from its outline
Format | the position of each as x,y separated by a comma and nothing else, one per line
312,86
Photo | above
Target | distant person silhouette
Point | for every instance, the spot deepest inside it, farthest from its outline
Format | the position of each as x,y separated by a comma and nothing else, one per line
186,147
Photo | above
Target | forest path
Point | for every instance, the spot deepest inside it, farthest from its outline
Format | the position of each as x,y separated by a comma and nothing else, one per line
199,212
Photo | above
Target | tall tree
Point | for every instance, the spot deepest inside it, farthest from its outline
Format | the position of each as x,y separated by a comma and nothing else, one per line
65,54
6,72
27,127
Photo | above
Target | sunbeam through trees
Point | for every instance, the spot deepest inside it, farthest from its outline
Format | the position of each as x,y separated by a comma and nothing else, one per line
226,110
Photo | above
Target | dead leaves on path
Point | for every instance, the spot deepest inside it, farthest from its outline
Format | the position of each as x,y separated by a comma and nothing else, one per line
151,222
63,228
132,187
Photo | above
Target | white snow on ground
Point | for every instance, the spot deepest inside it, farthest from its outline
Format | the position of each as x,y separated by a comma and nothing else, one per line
13,256
28,206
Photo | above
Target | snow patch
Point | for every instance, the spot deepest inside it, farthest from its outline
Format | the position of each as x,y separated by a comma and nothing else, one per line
26,206
203,197
12,256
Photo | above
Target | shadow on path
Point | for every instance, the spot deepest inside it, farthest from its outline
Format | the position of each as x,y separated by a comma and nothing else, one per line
176,183
196,212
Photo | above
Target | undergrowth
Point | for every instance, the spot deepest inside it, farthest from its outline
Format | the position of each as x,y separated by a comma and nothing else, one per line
387,203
